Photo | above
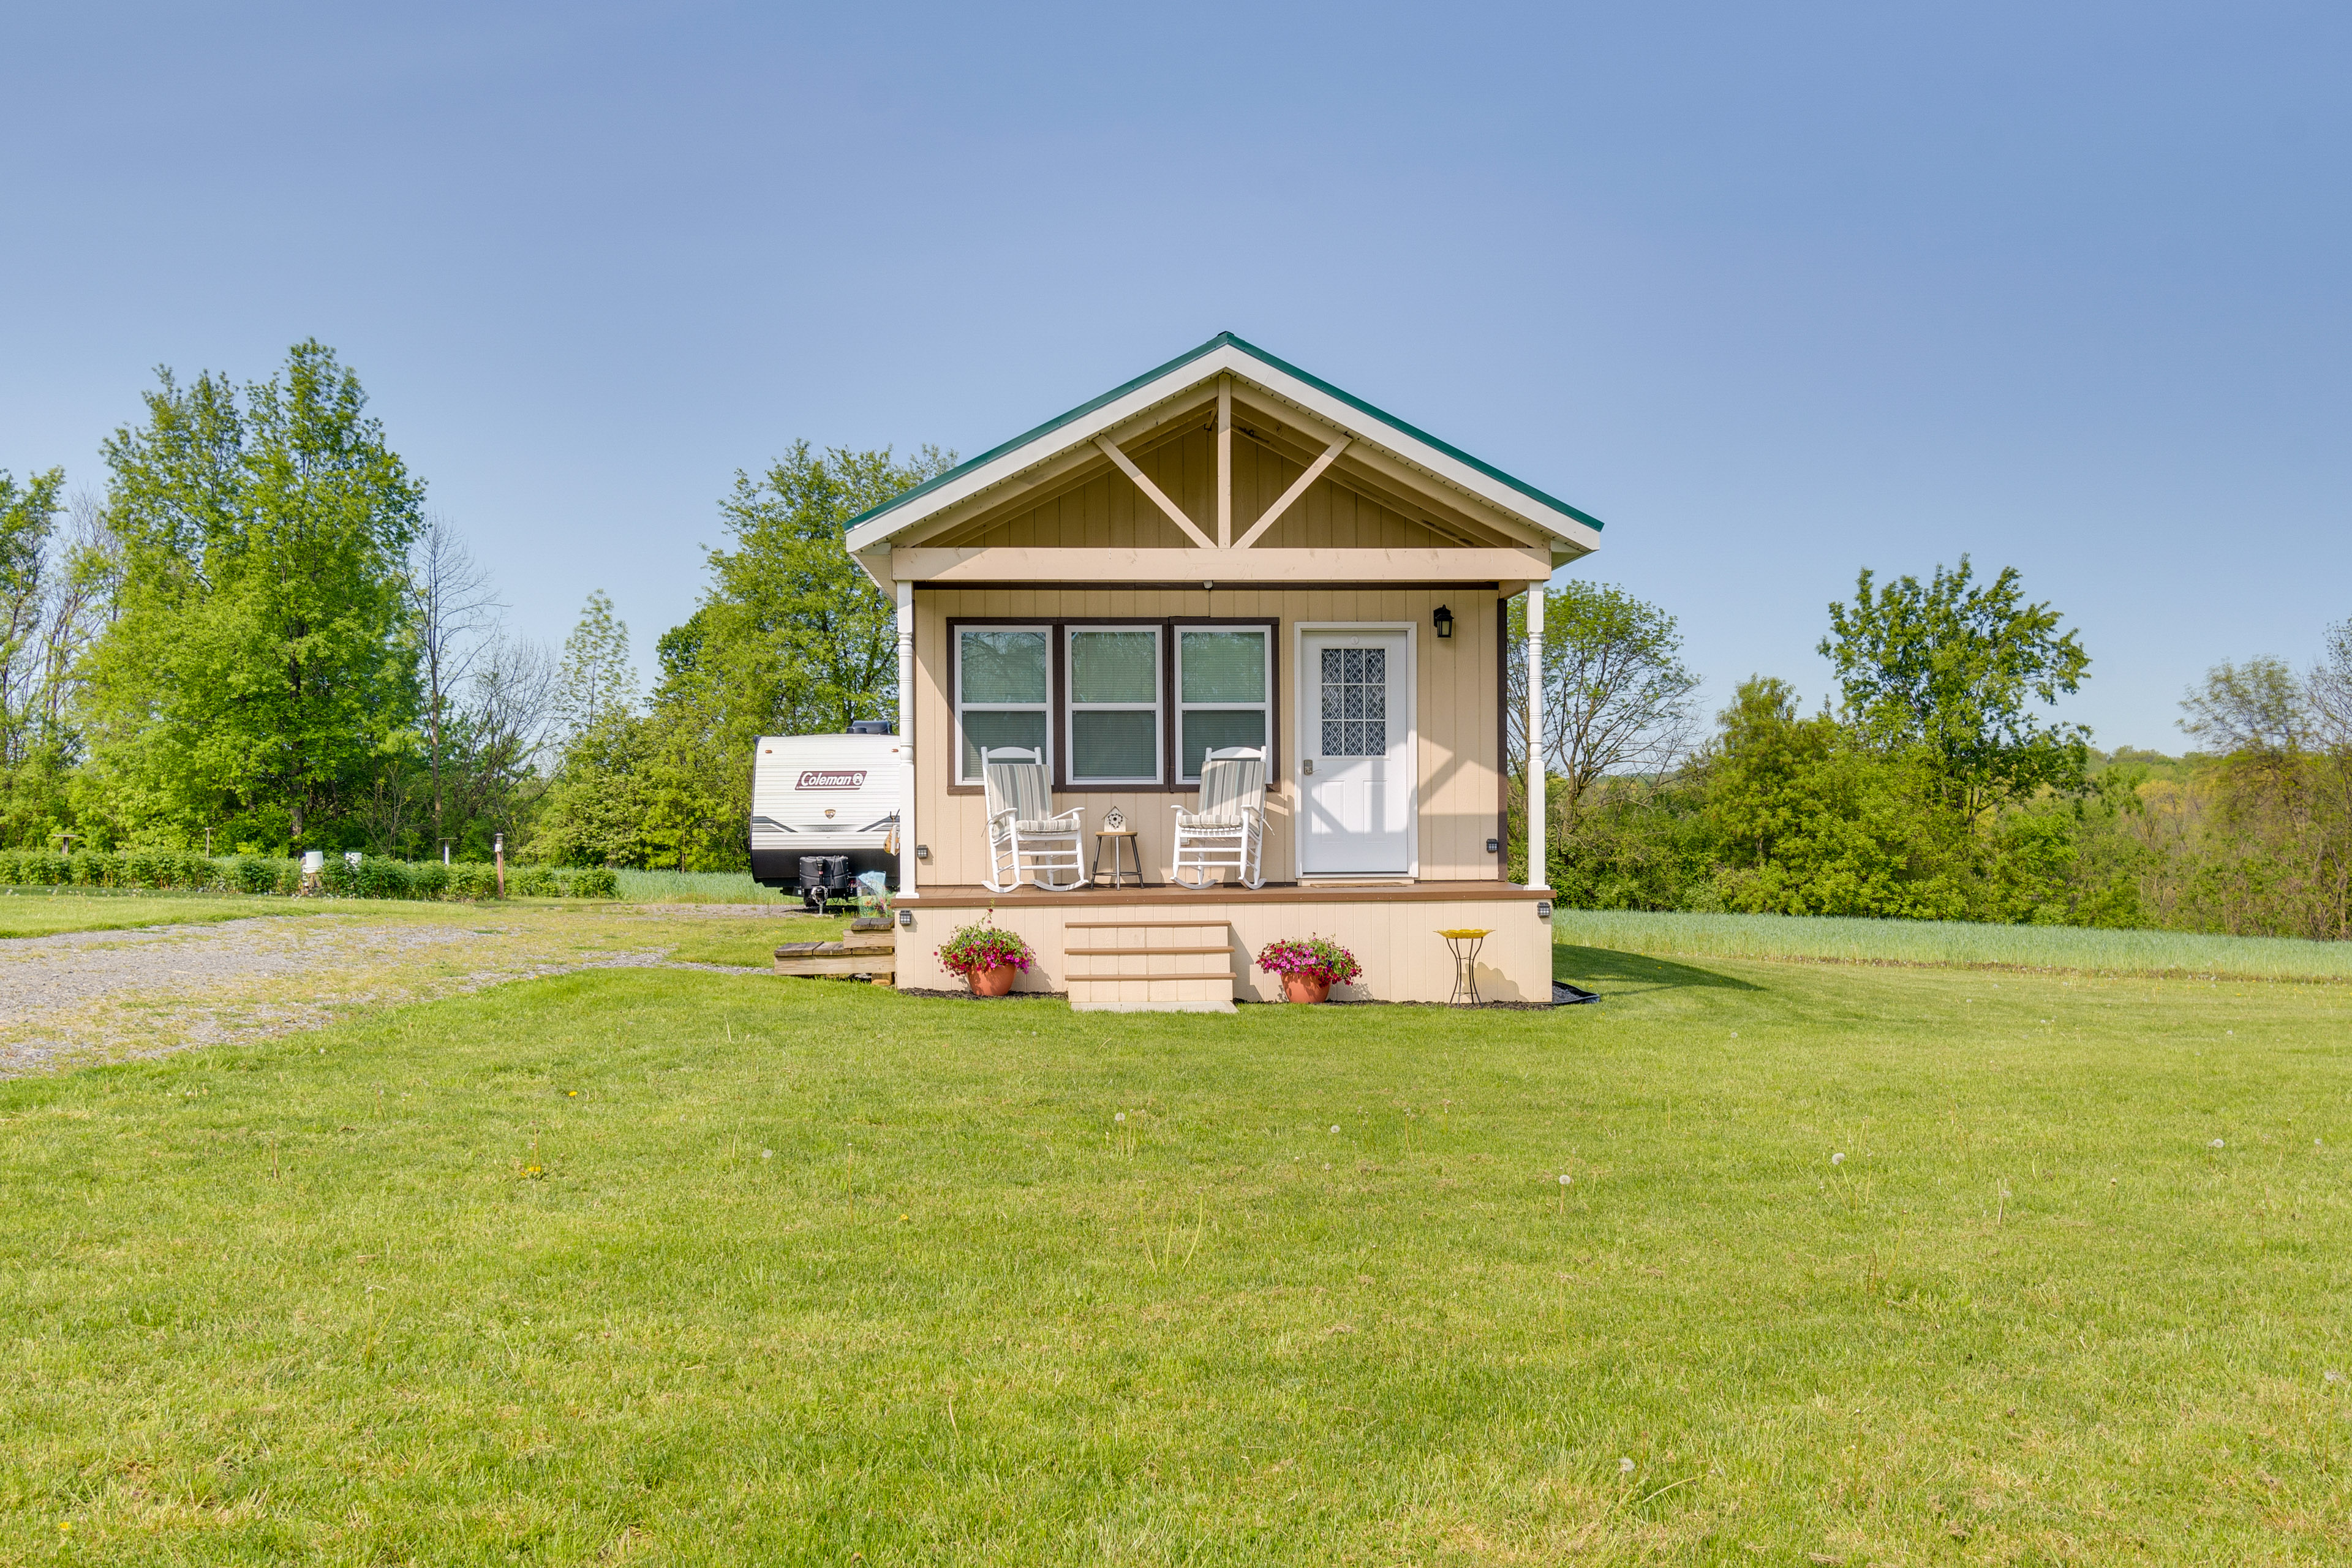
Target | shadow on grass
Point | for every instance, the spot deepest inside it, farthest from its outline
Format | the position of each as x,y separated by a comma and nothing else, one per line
1614,974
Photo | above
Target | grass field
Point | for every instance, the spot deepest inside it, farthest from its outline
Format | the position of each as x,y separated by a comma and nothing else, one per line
2060,949
698,888
658,1265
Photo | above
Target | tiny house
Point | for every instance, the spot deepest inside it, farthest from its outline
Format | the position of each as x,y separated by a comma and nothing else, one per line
1224,552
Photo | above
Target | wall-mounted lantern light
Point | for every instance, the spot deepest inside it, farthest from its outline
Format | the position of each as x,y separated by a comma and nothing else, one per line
1445,619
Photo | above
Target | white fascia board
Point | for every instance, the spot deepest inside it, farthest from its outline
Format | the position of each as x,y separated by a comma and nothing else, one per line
1222,360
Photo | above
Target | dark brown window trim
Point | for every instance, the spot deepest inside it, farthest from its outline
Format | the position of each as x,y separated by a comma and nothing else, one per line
1058,710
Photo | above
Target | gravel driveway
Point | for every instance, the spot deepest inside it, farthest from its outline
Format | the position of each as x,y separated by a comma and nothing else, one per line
105,995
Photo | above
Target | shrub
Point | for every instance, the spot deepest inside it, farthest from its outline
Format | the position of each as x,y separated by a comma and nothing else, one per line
470,880
428,879
1318,960
383,878
983,946
594,882
533,882
34,868
254,874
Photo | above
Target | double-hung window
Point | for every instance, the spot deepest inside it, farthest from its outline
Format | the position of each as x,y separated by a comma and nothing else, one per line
1002,692
1112,679
1111,705
1222,679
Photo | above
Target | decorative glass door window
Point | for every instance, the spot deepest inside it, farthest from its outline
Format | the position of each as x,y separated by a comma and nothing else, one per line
1001,693
1113,677
1222,681
1355,690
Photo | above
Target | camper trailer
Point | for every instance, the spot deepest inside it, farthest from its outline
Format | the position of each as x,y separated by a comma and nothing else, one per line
826,808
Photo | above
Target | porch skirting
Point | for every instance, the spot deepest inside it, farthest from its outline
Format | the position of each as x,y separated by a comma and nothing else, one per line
1392,930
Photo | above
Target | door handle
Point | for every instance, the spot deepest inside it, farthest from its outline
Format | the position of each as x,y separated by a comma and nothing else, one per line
1306,766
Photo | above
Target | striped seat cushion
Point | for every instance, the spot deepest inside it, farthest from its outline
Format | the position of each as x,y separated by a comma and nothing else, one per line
1021,789
1228,784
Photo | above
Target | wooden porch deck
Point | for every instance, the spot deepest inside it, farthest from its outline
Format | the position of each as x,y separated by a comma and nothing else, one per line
962,896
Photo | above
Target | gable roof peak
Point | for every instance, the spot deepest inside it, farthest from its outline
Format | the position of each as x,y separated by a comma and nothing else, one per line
1440,459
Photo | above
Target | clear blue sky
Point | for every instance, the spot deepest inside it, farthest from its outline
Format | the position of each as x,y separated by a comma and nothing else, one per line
1776,292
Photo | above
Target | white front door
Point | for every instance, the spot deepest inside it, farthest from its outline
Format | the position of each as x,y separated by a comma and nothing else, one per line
1355,754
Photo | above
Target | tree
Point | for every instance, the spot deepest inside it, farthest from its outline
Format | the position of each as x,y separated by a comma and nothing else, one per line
451,606
259,666
596,683
1616,696
1952,667
790,631
29,517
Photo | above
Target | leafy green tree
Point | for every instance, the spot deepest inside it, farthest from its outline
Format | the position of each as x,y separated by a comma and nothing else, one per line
1953,669
258,669
596,682
1813,823
1617,697
789,633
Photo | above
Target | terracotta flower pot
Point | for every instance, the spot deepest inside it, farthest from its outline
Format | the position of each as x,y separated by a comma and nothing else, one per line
1301,988
993,982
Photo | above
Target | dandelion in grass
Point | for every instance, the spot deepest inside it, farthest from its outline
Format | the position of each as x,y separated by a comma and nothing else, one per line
1120,1117
767,1154
2217,1143
1335,1128
1837,1158
1624,1466
2335,1377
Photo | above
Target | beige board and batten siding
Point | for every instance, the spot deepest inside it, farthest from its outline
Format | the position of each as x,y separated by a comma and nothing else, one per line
1407,960
1455,701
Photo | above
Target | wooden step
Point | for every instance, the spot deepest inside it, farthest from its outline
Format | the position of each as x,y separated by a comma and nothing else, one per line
1148,966
1107,952
871,952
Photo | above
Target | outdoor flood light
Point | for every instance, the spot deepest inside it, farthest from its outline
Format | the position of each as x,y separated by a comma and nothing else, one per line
1445,619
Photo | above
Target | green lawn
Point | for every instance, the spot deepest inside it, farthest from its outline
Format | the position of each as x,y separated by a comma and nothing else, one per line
685,1268
38,911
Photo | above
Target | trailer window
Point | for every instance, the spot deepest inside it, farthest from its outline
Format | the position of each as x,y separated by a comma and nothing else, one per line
1000,692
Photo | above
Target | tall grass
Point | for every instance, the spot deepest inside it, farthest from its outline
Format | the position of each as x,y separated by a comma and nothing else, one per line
2055,948
698,887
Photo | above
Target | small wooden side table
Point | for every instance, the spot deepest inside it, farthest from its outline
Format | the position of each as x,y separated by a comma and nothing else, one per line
1118,837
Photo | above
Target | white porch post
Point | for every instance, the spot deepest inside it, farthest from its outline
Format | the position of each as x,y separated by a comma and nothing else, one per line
1536,858
906,739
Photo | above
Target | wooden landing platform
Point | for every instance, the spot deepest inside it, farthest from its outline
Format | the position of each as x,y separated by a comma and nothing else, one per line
871,952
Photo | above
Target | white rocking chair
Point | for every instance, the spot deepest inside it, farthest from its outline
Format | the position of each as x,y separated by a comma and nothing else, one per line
1228,830
1026,842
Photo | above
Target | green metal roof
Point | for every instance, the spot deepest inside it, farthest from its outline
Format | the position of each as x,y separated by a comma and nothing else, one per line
1223,340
